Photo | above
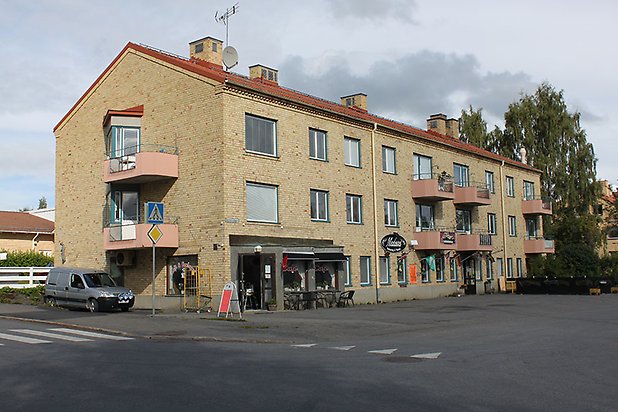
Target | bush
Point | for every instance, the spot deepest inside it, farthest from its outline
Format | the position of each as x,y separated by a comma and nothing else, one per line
26,259
31,296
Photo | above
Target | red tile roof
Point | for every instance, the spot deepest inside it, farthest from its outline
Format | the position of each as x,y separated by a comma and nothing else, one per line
137,111
22,222
217,73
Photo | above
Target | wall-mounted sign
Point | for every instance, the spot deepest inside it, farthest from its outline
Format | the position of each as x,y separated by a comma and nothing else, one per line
447,238
393,243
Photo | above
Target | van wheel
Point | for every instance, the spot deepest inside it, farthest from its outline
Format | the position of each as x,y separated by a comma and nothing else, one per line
93,305
51,301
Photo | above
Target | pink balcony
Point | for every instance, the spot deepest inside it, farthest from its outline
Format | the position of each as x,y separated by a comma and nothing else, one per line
435,240
536,207
432,190
141,167
135,236
471,196
474,242
538,245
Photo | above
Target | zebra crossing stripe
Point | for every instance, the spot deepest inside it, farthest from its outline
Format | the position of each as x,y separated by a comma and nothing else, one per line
383,351
90,334
433,355
305,345
51,335
342,347
22,339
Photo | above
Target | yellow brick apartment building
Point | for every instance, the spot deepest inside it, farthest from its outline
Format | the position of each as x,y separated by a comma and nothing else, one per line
274,190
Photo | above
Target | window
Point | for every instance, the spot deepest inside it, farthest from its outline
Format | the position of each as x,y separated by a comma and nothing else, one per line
199,47
365,270
177,268
509,267
122,143
424,217
422,167
351,152
510,186
317,144
531,228
520,268
402,270
489,181
214,46
463,219
491,223
454,270
319,205
528,190
385,270
388,160
462,175
260,135
348,271
425,278
125,209
500,264
390,213
490,269
77,282
512,226
354,213
478,269
262,203
439,269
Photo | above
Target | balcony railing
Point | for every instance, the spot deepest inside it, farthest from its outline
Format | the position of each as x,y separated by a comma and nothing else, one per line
141,163
538,244
431,238
473,194
432,186
536,206
133,233
478,241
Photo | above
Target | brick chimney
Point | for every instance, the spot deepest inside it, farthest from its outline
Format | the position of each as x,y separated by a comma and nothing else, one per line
439,123
355,100
259,71
207,49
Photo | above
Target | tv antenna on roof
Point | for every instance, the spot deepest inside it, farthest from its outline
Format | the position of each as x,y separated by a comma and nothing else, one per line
225,17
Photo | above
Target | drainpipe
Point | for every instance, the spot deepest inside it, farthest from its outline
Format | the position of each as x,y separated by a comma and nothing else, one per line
504,225
376,250
34,240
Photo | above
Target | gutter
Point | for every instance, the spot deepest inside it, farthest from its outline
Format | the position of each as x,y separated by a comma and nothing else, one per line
504,226
376,250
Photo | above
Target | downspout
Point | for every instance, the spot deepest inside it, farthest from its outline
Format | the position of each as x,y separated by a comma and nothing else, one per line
34,240
376,251
504,226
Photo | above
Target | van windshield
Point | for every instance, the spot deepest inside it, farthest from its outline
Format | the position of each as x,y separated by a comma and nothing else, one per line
97,280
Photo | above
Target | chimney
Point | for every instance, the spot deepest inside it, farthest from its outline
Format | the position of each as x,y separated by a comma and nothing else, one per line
258,71
523,155
358,100
207,49
439,123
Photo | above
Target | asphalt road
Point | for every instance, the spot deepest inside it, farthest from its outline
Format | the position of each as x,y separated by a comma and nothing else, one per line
493,353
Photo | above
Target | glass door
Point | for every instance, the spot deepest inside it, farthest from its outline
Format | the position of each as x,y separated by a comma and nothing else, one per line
125,214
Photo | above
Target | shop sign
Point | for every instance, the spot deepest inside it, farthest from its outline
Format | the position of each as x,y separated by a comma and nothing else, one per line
447,238
393,243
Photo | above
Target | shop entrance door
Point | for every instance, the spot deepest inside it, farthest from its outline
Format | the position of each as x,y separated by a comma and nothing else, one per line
469,269
256,280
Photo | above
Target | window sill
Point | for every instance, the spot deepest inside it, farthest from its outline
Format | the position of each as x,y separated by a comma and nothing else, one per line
353,166
262,155
385,284
395,226
259,222
365,284
318,159
320,220
389,173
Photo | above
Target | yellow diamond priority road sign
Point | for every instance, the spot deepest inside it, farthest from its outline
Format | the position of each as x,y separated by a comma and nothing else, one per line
155,234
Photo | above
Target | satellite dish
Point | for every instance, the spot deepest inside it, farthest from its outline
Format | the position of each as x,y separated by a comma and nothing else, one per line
230,57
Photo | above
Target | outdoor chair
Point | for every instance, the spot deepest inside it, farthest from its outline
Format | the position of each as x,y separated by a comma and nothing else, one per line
345,298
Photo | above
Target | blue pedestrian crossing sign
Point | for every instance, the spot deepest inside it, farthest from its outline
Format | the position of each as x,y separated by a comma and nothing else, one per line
154,213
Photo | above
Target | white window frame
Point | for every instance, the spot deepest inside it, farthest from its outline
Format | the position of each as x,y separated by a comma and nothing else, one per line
275,190
389,160
489,181
315,136
419,221
461,175
510,186
348,271
365,263
490,269
454,269
425,271
528,190
273,127
391,213
465,220
520,268
404,271
318,198
512,220
440,267
500,265
351,146
423,167
385,270
353,203
509,267
491,223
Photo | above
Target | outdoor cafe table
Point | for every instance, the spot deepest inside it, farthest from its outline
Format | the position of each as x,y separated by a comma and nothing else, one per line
311,297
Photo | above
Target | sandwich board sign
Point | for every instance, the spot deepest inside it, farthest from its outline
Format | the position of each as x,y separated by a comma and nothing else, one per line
229,301
154,213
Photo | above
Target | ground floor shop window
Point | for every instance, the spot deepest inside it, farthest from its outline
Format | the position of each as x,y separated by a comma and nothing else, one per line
326,275
294,275
454,270
177,267
348,271
365,270
425,278
402,271
439,269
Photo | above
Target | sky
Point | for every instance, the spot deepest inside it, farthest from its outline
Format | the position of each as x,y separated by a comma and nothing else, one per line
412,58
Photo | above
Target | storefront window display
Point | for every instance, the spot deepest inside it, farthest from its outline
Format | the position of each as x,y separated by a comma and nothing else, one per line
325,275
176,268
294,275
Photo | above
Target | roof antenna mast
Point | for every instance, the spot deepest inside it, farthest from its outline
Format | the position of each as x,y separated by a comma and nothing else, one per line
224,18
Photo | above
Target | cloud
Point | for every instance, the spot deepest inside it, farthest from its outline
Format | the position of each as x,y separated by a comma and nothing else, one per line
413,86
402,10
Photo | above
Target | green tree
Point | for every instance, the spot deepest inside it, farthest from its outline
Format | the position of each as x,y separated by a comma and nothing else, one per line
42,203
26,259
473,128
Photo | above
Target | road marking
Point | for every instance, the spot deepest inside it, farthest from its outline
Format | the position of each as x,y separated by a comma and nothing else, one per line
22,339
51,335
383,351
433,355
305,345
90,334
342,347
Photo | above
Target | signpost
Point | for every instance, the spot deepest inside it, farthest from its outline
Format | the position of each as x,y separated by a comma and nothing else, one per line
154,215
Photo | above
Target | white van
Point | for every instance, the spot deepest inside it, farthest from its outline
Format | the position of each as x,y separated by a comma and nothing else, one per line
86,288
